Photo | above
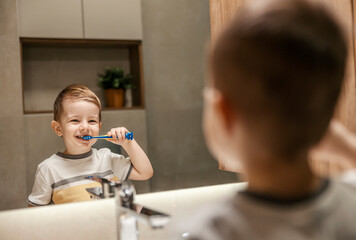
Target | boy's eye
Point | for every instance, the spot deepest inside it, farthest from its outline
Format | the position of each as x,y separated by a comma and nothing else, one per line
93,121
74,120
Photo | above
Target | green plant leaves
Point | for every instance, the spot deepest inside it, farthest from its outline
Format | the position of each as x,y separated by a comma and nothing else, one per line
114,77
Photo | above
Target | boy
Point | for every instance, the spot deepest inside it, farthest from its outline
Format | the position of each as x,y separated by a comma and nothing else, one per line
62,177
276,74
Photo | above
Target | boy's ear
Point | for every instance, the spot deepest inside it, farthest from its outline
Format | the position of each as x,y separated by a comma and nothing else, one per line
100,125
56,128
226,111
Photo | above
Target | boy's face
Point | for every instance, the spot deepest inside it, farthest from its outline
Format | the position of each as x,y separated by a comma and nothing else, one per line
79,118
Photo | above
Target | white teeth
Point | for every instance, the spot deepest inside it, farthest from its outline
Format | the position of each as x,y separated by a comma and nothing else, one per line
82,136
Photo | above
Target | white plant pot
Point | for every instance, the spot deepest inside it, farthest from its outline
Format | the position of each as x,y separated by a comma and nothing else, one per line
128,98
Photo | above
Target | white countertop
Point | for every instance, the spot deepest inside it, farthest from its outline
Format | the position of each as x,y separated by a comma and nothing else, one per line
97,219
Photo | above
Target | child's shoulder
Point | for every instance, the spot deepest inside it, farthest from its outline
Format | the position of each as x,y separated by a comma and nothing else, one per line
48,162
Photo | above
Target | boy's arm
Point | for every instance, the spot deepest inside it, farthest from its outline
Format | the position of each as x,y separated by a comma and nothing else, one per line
142,168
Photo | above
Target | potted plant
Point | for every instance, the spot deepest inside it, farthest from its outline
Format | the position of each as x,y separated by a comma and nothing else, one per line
114,82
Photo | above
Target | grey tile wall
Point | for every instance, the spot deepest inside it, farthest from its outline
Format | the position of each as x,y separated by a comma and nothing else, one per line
12,142
175,36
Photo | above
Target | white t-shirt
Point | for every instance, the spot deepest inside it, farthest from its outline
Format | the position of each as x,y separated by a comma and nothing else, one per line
329,214
61,178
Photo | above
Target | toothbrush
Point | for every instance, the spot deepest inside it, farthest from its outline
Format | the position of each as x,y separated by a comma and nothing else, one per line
128,136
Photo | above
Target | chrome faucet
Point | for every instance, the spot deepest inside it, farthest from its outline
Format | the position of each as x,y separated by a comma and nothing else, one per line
127,212
126,194
126,223
107,189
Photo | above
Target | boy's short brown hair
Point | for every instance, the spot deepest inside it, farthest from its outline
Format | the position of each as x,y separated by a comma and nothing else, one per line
282,69
76,92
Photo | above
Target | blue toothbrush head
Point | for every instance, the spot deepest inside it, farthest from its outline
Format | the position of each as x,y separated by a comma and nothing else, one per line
129,136
87,137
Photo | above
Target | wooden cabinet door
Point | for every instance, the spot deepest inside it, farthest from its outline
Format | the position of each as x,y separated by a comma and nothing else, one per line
346,108
221,12
50,18
112,19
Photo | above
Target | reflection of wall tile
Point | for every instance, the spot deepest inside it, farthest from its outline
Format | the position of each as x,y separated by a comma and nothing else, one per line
175,35
8,19
13,164
10,74
133,120
12,160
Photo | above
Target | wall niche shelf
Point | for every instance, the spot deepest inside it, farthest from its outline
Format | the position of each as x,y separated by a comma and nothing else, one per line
49,65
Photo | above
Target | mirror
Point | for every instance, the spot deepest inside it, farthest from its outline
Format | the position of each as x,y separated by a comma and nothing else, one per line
175,34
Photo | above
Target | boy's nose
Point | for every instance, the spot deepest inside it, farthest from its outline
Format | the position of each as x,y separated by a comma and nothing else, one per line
84,126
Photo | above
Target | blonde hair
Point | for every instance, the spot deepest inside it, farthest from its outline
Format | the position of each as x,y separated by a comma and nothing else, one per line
76,92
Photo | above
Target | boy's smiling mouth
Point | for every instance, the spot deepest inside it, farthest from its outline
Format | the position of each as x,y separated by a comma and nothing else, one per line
82,136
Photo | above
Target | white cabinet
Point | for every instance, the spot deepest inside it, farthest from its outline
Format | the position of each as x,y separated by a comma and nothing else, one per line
112,19
89,19
50,18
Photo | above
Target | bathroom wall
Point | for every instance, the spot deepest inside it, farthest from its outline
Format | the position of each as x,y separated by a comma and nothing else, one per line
12,143
175,34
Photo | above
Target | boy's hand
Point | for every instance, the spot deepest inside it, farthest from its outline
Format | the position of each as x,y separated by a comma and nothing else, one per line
142,168
118,135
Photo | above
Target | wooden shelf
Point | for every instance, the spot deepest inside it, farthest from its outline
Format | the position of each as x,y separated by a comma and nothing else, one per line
103,109
58,42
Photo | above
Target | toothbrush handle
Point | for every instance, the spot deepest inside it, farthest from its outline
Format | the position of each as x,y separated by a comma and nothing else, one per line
105,136
128,136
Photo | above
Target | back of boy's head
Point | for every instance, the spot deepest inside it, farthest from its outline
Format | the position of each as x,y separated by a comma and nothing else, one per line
74,92
281,67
